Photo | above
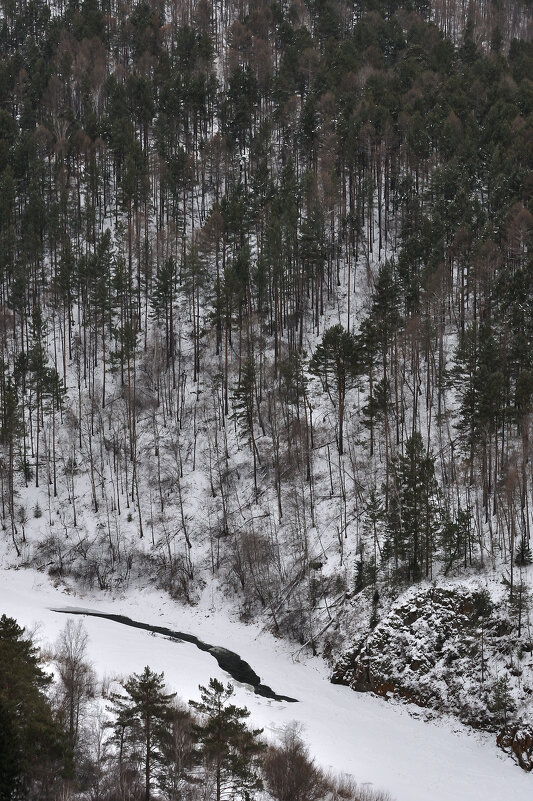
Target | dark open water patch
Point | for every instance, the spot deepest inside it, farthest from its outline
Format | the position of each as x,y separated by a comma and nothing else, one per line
229,661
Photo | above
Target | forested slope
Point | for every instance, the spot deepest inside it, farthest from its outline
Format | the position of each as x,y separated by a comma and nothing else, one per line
266,299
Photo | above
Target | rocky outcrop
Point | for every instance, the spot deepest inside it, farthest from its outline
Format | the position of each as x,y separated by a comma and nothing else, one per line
454,649
518,741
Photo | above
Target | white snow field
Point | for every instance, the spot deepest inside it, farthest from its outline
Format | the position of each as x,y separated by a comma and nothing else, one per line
376,742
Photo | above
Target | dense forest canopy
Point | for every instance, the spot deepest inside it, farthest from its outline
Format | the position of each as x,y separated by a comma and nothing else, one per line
266,294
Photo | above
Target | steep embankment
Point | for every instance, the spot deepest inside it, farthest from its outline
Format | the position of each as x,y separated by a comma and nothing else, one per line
456,648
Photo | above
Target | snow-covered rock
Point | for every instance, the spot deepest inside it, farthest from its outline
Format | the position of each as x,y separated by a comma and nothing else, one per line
453,648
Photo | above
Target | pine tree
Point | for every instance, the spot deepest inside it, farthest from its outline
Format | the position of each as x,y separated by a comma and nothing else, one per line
413,519
519,600
482,608
502,702
141,718
523,552
377,336
372,526
33,749
244,403
338,359
193,280
455,539
163,297
11,426
229,749
175,771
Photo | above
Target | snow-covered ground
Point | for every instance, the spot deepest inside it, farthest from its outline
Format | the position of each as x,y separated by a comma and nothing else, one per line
374,741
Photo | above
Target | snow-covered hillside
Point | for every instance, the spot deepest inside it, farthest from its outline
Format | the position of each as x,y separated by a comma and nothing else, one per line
266,359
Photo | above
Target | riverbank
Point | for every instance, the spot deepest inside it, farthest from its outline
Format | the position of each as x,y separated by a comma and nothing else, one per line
378,743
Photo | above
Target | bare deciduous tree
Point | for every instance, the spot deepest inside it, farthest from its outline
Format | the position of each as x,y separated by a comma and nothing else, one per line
290,773
76,676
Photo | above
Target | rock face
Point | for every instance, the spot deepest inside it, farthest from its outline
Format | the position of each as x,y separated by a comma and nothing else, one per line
452,649
518,741
410,652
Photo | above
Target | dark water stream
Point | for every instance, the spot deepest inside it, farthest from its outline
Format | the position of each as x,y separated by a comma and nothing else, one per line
229,661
